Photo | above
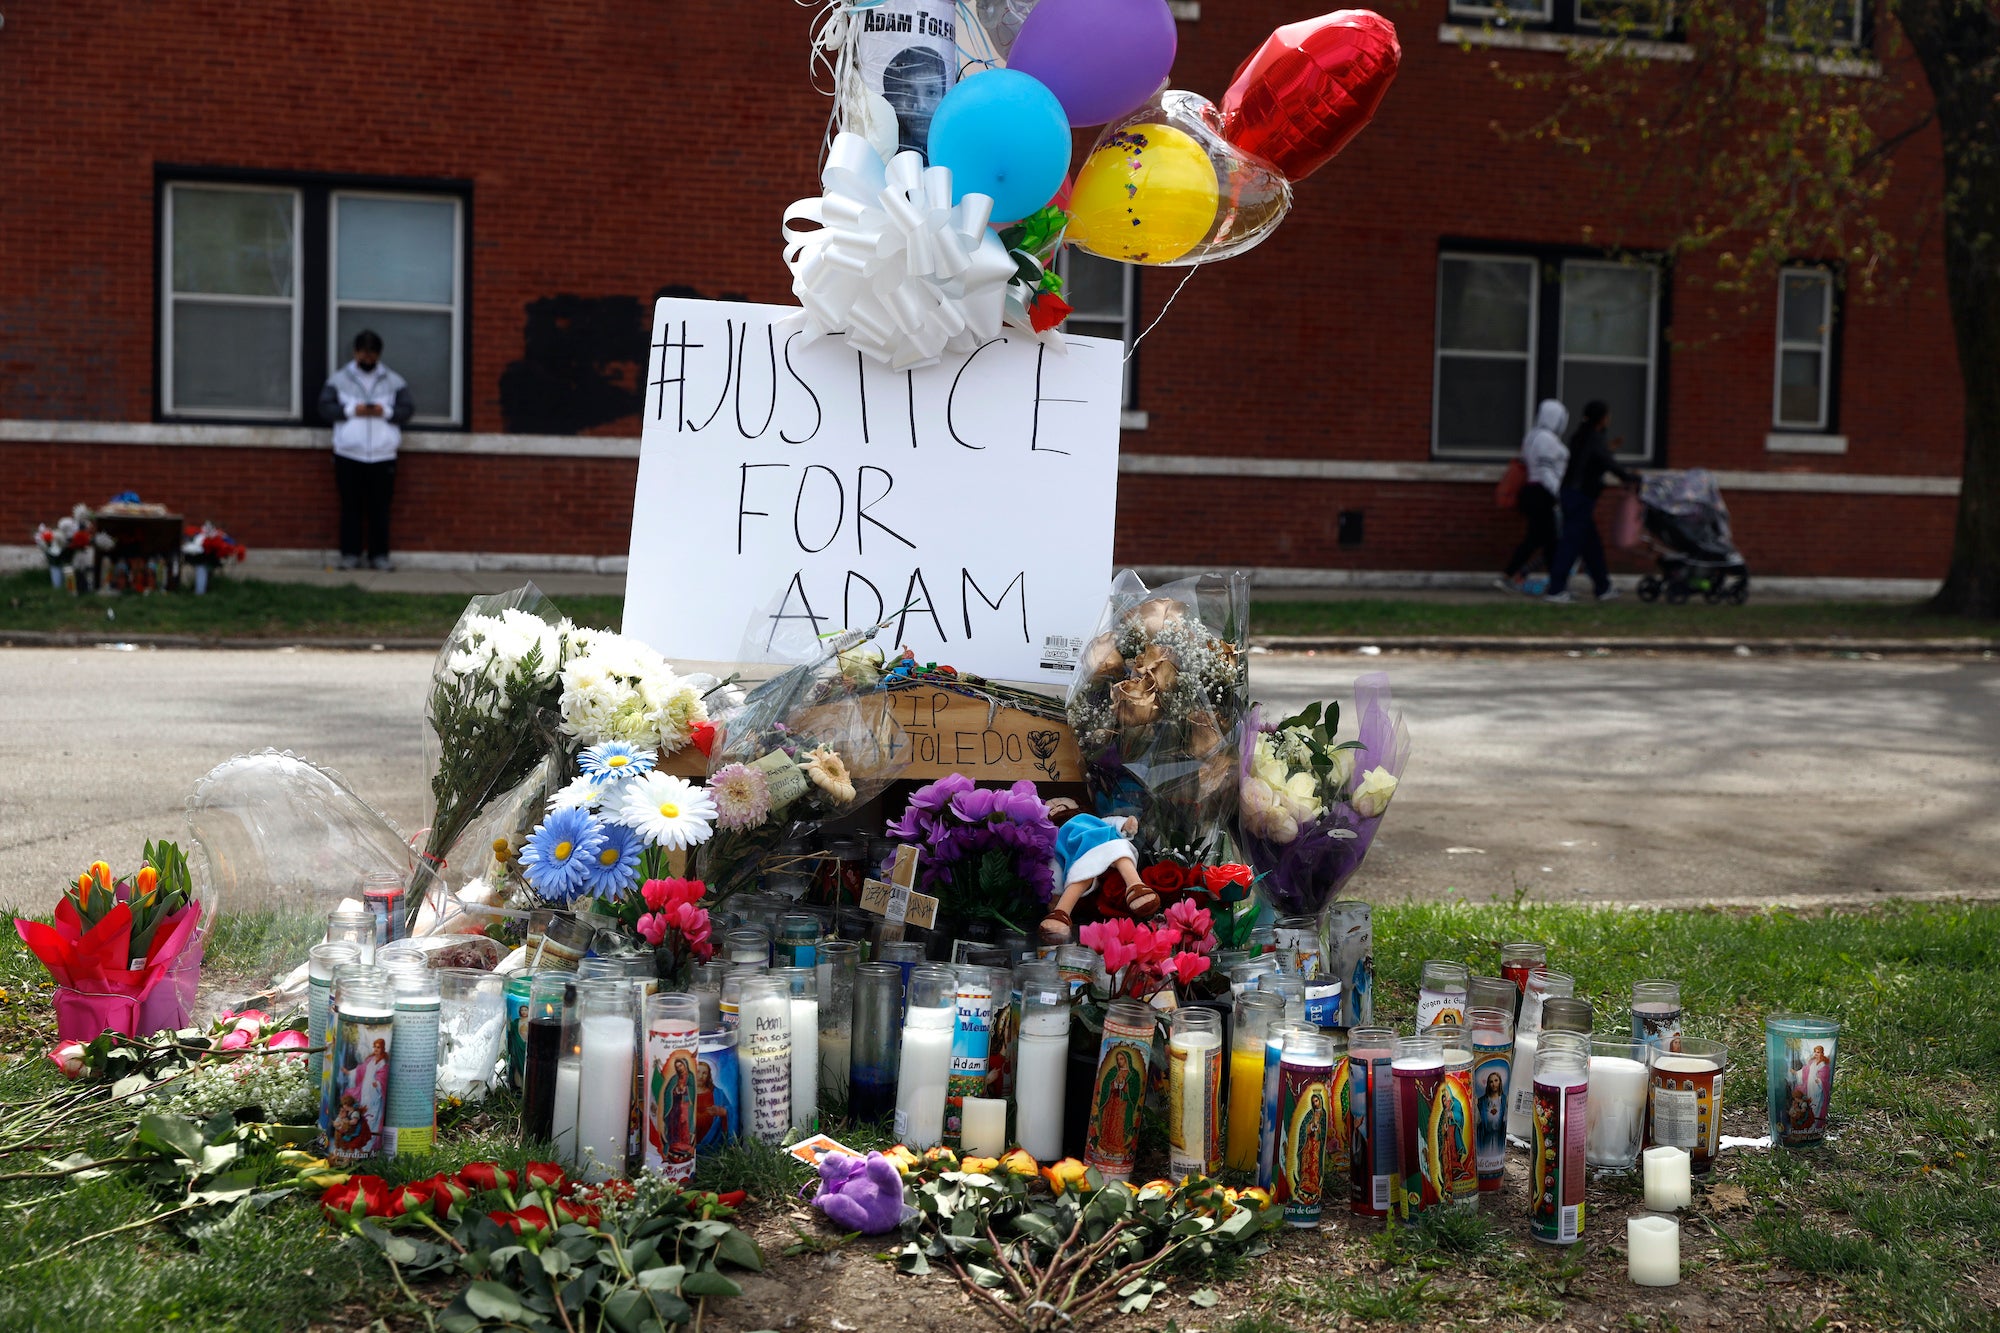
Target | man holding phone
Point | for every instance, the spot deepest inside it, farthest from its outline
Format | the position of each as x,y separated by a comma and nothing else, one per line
367,404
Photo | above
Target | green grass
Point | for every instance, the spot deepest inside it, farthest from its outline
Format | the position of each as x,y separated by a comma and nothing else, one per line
252,608
1511,616
1894,1223
238,607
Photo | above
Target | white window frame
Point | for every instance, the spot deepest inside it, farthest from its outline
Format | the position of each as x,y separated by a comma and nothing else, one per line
1128,318
168,407
1543,11
1822,345
1527,357
1655,33
1651,360
1857,27
337,356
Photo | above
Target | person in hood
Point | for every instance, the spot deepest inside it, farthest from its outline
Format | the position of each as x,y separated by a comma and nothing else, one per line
367,404
1583,481
1545,456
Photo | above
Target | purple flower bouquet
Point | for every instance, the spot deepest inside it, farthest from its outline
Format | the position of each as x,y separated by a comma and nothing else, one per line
986,852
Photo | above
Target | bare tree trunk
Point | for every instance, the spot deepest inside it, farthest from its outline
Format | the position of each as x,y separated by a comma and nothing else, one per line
1958,44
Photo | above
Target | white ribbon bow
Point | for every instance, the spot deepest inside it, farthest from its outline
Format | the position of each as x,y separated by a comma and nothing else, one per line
898,270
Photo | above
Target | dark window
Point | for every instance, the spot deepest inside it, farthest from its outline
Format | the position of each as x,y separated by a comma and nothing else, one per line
1645,20
1515,328
264,283
1802,392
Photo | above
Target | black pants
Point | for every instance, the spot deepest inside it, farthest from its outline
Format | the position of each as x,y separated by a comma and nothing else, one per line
1539,508
366,490
1580,538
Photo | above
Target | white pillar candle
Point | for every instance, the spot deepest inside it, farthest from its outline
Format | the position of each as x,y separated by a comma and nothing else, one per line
562,1130
1041,1080
805,1063
764,1020
604,1094
985,1132
1653,1250
926,1070
1194,1064
1617,1112
1669,1183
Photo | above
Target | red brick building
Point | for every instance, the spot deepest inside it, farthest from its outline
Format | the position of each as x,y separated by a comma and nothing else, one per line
199,202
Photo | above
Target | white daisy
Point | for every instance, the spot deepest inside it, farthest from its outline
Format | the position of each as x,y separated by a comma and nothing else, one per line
582,793
666,811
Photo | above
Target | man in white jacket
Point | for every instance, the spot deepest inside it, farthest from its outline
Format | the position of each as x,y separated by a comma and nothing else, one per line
367,404
1545,456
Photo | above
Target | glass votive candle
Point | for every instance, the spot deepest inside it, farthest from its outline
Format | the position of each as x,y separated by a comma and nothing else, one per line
1798,1076
747,944
1656,1013
472,1030
356,928
1442,993
1684,1098
1616,1110
1490,993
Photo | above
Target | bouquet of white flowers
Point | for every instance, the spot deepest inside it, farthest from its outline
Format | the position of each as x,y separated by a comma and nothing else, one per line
618,689
493,711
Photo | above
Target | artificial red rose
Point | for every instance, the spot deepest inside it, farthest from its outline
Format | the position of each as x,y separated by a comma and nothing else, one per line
702,737
543,1176
1164,877
413,1197
1230,883
482,1176
1047,310
355,1198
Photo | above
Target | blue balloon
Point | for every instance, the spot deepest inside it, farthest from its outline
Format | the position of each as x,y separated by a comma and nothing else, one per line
1004,134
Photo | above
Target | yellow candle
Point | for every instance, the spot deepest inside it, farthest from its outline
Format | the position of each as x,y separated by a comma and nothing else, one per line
1246,1106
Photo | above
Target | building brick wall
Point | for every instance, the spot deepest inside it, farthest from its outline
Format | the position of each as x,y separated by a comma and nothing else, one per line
617,150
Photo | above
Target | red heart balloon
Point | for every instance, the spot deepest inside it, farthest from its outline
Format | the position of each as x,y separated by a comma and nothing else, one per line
1310,88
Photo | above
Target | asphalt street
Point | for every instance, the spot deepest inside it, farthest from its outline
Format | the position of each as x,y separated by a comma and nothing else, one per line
1628,779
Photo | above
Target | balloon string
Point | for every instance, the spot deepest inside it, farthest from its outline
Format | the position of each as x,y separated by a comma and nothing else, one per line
1133,350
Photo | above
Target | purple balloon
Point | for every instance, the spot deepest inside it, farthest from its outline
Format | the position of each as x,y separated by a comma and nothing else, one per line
1101,58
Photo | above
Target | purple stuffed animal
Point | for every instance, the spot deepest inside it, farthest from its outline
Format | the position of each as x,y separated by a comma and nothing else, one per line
860,1195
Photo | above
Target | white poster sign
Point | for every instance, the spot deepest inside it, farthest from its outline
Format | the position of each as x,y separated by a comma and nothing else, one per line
970,503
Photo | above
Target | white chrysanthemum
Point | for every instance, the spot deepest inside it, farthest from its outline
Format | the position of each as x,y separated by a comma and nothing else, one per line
666,811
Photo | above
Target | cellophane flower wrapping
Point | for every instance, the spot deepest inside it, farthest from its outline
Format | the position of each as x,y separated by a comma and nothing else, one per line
811,744
493,714
1310,804
1158,704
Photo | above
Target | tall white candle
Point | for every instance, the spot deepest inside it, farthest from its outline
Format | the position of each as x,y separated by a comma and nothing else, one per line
805,1063
563,1127
1653,1251
764,1018
926,1071
604,1104
985,1130
1040,1083
1669,1182
1521,1091
1617,1112
1194,1063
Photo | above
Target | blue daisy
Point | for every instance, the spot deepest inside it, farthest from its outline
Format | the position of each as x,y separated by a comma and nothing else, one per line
614,866
560,855
614,760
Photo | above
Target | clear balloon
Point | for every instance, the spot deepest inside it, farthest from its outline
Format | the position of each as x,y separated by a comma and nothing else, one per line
1163,187
1002,134
1101,58
1310,88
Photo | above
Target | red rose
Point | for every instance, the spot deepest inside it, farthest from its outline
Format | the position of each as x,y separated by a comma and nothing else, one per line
1164,877
543,1175
448,1193
570,1210
702,737
1230,883
356,1198
483,1176
413,1197
1047,310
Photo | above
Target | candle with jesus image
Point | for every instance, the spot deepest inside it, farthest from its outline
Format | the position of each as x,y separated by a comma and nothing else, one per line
673,1032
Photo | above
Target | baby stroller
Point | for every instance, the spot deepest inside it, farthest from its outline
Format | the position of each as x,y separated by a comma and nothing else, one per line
1687,526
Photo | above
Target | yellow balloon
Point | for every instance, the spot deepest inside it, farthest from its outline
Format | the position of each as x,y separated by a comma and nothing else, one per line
1148,196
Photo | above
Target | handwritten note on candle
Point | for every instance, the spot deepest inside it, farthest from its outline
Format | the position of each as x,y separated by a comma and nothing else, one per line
970,502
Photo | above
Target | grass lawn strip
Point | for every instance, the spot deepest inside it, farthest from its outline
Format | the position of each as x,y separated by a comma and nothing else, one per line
1894,1224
